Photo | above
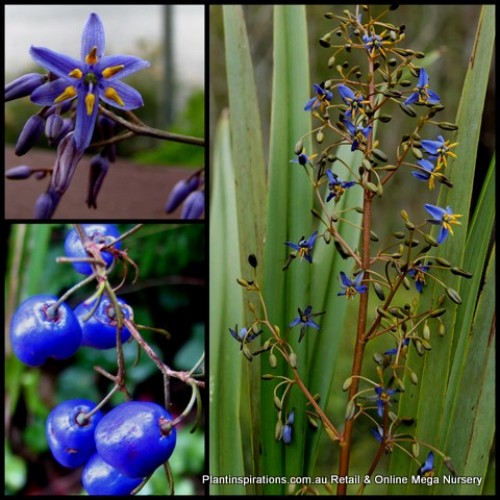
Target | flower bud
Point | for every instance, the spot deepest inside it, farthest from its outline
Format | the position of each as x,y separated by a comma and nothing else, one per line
273,361
68,156
99,167
21,172
415,449
454,296
180,192
461,272
350,410
293,360
30,133
347,384
194,205
46,205
24,86
278,430
53,128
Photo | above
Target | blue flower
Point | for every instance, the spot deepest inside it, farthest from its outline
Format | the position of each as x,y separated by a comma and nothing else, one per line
427,173
427,468
418,274
358,133
320,100
303,158
383,398
375,44
351,288
402,349
354,101
422,94
244,336
304,319
336,186
443,218
304,247
94,77
287,428
439,149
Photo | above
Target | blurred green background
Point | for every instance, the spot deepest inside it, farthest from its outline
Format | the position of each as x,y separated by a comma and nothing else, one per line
169,293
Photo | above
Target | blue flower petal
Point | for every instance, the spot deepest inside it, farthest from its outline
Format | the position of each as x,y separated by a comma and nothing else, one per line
436,212
93,36
85,123
48,92
59,64
131,65
131,98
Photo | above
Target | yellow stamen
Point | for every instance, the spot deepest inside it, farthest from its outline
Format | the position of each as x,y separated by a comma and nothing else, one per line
76,73
69,93
89,102
112,70
112,94
91,58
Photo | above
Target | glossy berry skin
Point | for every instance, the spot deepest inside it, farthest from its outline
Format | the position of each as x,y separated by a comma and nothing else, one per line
130,439
99,478
36,336
72,443
99,233
99,331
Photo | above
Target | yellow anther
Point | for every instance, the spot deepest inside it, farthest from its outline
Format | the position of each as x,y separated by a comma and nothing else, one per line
91,58
69,93
112,70
76,73
112,94
89,102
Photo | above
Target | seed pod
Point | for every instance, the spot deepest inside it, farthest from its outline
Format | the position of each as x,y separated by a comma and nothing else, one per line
273,360
447,126
247,353
367,165
379,154
324,42
415,449
347,384
413,243
252,260
313,422
277,402
409,225
350,410
437,312
454,296
385,118
278,430
382,312
399,235
293,360
395,311
329,15
370,187
426,345
392,93
379,291
441,329
405,83
242,282
267,376
461,272
408,110
443,262
430,240
331,62
320,137
267,345
406,283
417,153
449,465
419,347
413,378
327,236
426,332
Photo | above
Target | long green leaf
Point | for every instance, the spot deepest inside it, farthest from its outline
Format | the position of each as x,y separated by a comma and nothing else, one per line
226,446
427,401
288,219
250,184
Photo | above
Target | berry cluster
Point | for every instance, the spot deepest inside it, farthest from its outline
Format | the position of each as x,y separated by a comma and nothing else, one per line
118,449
